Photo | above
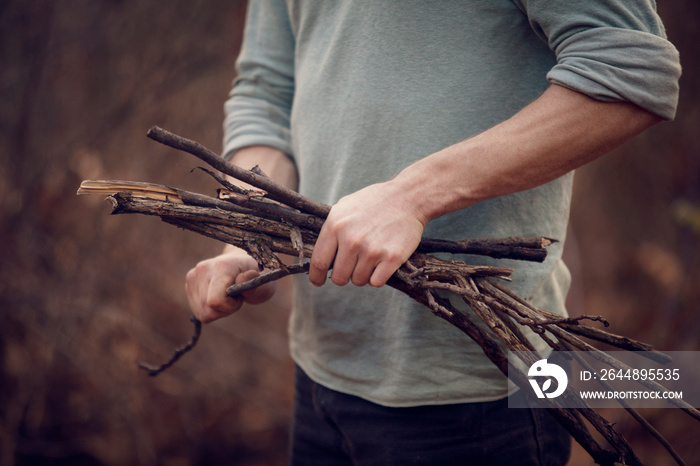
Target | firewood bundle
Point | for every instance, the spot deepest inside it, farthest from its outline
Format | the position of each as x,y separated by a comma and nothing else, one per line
271,220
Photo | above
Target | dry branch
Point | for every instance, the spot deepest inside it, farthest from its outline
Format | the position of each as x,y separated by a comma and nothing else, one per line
155,370
277,220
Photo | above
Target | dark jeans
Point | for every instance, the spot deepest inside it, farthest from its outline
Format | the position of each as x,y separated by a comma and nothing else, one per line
332,428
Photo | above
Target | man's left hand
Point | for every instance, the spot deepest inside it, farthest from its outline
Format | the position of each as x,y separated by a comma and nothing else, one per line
367,236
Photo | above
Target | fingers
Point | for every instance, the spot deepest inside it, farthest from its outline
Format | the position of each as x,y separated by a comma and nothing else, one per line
346,261
322,257
258,295
359,266
206,286
365,239
363,271
206,293
355,262
355,258
384,270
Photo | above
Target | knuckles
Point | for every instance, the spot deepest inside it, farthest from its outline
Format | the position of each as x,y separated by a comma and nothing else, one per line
371,246
200,271
208,306
217,307
340,281
359,281
319,264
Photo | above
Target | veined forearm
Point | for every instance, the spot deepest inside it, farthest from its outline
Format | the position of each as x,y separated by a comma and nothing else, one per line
559,132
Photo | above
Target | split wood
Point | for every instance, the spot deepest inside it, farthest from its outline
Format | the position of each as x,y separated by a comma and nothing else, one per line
277,220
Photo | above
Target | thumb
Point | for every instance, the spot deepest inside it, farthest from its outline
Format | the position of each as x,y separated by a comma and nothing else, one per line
257,295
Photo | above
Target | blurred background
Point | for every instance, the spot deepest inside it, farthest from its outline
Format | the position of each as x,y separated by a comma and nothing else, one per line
83,295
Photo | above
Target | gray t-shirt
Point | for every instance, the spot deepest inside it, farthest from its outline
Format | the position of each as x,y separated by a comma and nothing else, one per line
355,91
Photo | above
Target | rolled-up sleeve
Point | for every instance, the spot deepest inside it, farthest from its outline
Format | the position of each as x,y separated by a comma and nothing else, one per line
610,50
258,109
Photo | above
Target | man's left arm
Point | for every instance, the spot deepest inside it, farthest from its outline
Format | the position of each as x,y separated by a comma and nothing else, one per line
370,233
615,75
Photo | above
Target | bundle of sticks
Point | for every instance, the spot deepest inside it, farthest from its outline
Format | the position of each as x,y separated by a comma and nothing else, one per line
270,220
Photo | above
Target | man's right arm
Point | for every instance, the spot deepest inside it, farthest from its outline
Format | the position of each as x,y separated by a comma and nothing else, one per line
206,283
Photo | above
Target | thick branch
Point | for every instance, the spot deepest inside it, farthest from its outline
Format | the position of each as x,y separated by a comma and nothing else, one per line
423,273
264,228
443,309
275,191
531,249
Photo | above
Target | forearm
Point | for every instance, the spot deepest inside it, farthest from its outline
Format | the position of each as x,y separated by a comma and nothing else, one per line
273,162
370,233
559,132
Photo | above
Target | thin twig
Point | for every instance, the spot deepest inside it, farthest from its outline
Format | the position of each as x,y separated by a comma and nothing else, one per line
264,228
234,291
275,191
512,300
155,370
632,412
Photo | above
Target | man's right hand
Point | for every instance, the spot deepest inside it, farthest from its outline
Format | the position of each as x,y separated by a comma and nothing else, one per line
207,282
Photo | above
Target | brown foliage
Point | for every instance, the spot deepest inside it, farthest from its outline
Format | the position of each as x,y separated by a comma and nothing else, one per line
84,298
83,295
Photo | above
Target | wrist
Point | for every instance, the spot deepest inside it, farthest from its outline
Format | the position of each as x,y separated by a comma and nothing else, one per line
273,162
413,189
230,249
438,184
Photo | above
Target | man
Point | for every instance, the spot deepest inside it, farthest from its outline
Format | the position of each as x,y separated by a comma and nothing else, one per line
449,119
